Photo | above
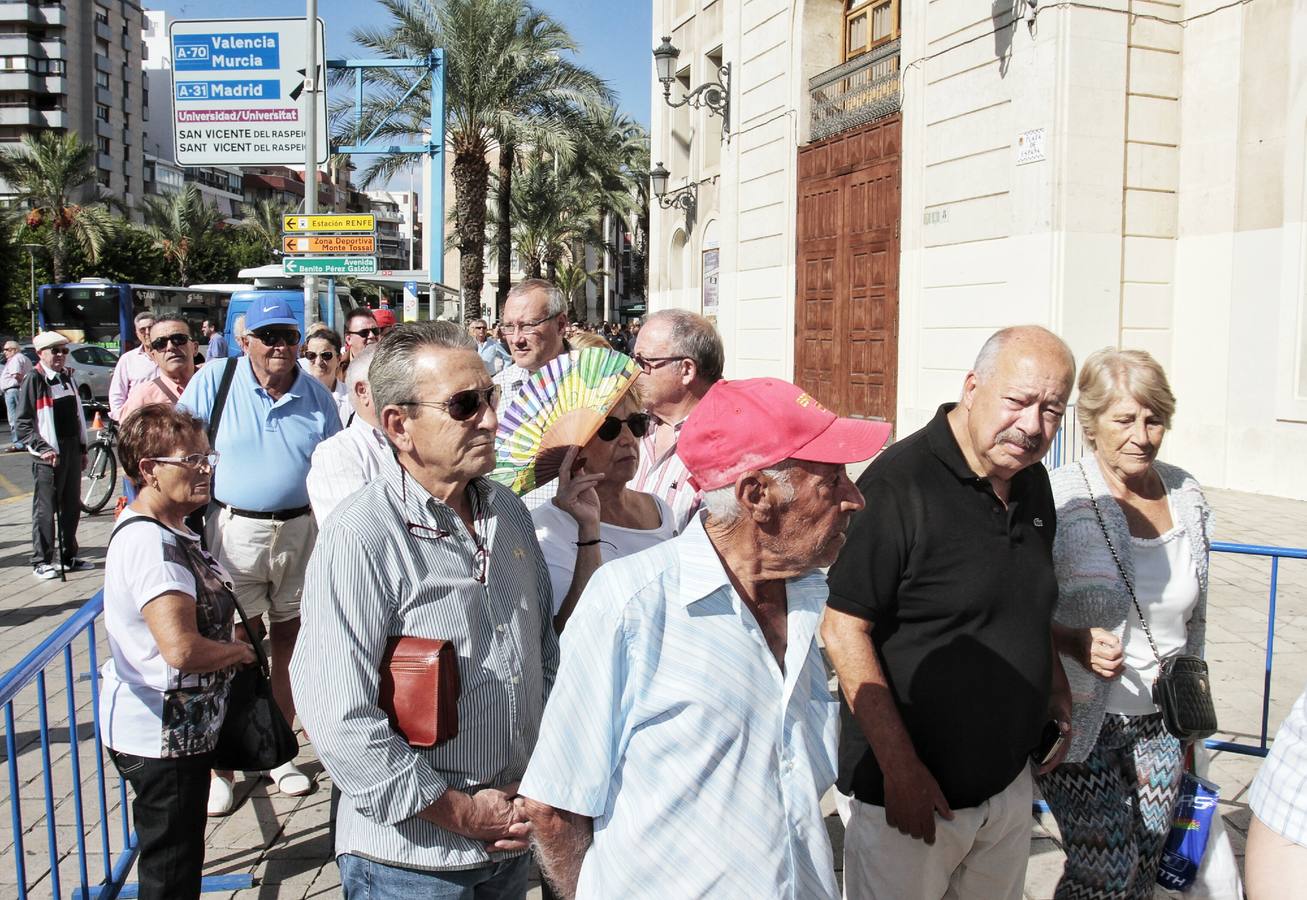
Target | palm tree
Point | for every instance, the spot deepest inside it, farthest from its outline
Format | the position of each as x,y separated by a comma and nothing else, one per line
179,223
505,81
47,172
263,219
573,277
549,209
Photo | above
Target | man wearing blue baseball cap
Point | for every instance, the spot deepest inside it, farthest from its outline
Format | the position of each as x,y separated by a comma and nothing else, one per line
265,416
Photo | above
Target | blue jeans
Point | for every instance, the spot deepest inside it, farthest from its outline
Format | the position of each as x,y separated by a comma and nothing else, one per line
11,409
363,879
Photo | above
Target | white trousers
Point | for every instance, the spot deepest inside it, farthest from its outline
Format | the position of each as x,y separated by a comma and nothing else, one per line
980,855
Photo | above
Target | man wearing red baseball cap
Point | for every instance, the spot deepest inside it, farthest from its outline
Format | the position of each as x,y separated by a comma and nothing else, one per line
691,692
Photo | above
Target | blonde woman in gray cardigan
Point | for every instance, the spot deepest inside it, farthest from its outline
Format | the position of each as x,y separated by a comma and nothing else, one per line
1114,794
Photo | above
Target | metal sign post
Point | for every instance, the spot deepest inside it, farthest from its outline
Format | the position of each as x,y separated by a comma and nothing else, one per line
433,235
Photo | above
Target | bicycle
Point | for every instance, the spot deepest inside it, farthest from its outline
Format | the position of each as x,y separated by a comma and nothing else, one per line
101,475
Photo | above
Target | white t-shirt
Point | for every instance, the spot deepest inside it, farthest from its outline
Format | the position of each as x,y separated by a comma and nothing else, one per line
557,532
139,688
1166,583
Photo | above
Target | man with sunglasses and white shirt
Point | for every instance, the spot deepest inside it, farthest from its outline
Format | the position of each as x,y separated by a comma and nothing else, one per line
430,548
263,530
172,348
680,356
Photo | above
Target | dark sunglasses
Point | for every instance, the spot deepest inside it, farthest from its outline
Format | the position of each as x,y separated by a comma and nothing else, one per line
177,340
277,337
366,333
327,355
612,427
463,405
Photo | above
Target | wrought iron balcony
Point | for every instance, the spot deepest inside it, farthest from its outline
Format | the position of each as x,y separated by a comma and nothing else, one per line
862,90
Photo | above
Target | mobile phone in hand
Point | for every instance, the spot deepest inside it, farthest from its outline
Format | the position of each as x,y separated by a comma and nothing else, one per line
1050,742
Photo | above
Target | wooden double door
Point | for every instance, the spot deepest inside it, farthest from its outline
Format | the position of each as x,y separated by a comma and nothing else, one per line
846,323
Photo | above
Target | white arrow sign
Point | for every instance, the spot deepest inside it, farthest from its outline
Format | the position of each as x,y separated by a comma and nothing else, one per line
237,87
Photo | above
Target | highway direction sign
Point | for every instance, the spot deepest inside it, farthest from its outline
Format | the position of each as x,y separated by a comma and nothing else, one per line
329,224
236,92
333,243
329,265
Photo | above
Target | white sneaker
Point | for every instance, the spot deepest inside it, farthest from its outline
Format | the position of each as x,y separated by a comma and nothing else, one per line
45,571
222,798
290,780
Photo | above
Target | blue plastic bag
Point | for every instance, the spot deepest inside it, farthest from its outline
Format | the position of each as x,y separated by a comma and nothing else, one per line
1191,826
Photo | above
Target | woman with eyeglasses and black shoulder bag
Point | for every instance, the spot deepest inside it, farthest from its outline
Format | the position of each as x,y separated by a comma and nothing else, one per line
595,518
169,612
1131,556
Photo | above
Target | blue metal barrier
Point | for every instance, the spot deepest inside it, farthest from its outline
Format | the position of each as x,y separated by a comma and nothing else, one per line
111,876
1275,554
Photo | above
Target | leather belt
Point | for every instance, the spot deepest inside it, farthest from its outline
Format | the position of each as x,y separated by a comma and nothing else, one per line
278,515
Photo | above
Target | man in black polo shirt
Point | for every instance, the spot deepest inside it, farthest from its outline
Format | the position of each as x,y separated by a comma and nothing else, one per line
939,629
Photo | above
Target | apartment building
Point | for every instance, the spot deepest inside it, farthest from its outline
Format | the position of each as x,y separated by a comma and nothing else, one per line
407,205
76,66
900,179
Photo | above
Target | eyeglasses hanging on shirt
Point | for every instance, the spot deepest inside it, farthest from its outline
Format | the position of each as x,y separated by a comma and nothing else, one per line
480,557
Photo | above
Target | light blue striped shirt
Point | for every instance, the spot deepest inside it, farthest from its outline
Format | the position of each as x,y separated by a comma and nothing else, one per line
673,727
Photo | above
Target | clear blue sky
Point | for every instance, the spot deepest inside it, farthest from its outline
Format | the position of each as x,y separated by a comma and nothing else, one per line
613,35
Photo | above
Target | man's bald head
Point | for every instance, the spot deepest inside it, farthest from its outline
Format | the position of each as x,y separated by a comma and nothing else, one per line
1024,339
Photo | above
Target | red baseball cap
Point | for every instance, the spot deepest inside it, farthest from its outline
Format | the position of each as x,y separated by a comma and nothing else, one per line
384,317
740,426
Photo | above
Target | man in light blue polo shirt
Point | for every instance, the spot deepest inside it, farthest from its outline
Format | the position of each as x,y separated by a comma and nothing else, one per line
273,418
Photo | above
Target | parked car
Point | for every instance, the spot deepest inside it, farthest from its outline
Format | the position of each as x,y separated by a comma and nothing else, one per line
91,364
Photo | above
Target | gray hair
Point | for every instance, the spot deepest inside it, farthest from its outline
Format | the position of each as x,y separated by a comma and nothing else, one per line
1108,374
238,327
395,362
724,506
694,337
359,364
987,359
145,316
554,305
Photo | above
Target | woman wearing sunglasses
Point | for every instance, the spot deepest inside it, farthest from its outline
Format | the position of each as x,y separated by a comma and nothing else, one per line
322,361
595,518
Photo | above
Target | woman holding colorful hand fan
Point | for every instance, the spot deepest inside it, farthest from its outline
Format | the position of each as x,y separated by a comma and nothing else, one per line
594,518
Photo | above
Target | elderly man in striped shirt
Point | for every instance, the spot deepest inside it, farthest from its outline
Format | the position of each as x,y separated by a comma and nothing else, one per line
691,733
430,548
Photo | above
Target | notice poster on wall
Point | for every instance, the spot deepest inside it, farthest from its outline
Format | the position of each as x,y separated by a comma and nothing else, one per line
710,266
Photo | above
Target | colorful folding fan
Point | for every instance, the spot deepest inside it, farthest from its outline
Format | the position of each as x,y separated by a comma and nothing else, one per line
560,406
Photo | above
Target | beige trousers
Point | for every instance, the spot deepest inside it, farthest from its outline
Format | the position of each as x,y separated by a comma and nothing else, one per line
980,855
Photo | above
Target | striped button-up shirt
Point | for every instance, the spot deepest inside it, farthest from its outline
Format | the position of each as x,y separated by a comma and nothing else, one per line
701,762
666,476
372,576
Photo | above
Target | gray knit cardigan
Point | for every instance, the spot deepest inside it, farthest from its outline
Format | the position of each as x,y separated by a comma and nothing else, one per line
1090,590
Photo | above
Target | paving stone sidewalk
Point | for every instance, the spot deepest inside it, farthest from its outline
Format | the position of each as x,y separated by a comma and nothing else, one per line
283,842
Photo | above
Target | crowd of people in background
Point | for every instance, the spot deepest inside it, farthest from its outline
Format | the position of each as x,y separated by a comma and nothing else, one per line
644,701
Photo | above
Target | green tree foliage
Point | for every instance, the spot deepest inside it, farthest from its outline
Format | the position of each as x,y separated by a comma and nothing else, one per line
183,226
506,80
48,171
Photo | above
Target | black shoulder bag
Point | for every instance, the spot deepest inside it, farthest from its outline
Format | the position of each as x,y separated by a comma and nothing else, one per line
254,735
197,520
1182,690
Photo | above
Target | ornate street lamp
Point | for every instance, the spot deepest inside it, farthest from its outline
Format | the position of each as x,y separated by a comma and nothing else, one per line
715,95
686,198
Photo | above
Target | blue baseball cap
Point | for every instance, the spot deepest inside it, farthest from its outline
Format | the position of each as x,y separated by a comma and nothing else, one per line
263,313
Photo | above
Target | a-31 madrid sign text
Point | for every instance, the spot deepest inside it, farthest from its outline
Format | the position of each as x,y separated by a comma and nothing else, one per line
237,86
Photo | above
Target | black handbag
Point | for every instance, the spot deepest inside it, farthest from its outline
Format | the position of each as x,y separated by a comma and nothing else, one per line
1182,690
255,736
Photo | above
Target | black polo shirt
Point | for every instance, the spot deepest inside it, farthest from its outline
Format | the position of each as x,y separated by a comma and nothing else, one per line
960,591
